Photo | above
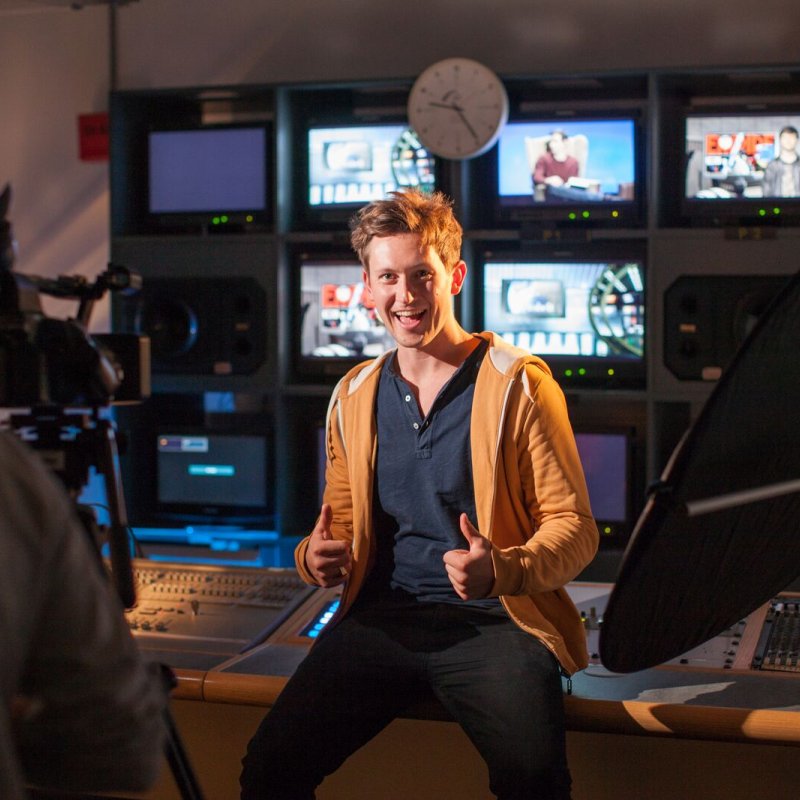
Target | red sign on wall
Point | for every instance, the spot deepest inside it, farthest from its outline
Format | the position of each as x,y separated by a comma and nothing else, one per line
93,137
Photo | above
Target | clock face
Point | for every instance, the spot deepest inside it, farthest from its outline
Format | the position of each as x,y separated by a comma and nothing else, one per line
458,108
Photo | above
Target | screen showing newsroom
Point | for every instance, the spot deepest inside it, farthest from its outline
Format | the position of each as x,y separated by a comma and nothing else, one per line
592,310
742,157
207,170
574,161
354,165
338,317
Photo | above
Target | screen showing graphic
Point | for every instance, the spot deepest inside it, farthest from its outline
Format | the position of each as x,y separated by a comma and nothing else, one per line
212,470
580,309
355,165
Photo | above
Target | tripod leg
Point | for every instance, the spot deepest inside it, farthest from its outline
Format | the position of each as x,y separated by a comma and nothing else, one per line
178,761
119,547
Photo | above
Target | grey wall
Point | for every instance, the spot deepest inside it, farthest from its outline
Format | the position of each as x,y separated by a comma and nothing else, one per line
56,66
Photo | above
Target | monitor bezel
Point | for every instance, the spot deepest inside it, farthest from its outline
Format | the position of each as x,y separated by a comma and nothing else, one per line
160,513
576,372
314,108
307,368
744,212
616,532
348,208
489,210
221,220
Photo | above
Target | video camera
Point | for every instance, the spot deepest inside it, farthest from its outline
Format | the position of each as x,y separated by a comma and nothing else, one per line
57,379
52,362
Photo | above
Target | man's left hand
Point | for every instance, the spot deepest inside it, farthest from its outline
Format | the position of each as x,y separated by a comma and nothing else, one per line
471,571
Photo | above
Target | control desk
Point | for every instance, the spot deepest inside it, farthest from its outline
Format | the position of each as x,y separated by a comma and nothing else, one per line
236,621
235,635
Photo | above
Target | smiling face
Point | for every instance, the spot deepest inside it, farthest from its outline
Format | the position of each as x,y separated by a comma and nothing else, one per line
413,290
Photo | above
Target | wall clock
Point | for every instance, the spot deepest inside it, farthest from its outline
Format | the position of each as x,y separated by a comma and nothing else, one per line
458,108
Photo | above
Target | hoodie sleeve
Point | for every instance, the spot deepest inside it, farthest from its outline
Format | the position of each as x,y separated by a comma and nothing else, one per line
337,490
561,537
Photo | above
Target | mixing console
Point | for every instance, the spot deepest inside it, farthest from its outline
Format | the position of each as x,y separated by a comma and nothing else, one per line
198,616
767,639
201,617
778,648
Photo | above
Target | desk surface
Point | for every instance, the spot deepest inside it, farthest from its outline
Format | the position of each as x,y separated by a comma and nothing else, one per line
703,698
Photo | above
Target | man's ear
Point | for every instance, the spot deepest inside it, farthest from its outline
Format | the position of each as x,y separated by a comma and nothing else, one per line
457,277
367,287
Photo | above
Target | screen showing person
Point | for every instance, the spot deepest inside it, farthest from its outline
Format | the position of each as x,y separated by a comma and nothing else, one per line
741,157
574,162
356,164
338,316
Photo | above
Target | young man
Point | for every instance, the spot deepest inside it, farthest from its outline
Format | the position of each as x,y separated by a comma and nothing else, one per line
455,511
782,175
556,166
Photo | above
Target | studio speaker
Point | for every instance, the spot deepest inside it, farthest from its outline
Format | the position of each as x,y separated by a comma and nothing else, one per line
707,317
201,326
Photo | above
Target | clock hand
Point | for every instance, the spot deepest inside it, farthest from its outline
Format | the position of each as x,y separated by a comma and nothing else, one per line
460,111
466,123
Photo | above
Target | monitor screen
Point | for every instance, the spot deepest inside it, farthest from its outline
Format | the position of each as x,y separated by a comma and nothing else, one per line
218,173
338,322
742,158
209,476
353,165
584,318
579,170
605,460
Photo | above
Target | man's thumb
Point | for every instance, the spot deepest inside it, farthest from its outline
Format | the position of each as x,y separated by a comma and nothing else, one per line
324,521
471,533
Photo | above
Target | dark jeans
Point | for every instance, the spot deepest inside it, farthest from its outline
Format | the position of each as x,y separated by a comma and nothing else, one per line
501,684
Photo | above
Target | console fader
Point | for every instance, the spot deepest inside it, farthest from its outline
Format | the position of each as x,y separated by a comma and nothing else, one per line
197,616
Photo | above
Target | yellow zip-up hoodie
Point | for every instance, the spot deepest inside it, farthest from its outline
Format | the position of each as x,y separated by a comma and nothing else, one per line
530,492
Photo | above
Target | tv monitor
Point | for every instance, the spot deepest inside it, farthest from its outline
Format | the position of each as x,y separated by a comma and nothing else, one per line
216,177
584,317
202,476
349,165
337,324
606,459
742,165
582,172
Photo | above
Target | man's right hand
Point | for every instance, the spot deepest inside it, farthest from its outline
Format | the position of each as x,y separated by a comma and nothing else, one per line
329,560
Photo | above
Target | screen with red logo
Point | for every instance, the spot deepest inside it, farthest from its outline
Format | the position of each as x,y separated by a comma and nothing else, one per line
337,323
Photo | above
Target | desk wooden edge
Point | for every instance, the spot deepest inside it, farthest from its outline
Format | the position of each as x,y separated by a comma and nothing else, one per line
756,726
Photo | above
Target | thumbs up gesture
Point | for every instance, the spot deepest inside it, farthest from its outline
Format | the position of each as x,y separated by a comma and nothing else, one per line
471,571
329,560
